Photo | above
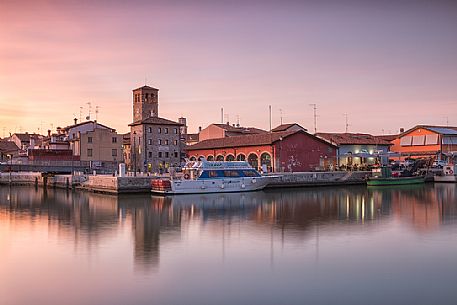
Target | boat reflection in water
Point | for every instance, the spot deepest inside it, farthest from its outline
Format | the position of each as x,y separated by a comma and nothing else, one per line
280,234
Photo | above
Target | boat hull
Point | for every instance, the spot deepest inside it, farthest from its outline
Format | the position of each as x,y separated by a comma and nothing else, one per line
395,181
205,186
447,178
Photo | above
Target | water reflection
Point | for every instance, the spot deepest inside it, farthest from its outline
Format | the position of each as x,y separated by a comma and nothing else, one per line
296,214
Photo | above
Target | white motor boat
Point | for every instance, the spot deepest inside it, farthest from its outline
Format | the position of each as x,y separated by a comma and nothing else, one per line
447,175
212,177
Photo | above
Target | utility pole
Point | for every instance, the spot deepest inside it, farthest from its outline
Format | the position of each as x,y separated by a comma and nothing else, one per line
315,117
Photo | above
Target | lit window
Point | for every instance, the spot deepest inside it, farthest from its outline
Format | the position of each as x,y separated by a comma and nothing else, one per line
159,130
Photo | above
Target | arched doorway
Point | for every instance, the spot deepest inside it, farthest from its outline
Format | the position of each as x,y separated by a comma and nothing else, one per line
230,158
201,158
253,160
265,161
220,158
210,158
193,158
241,157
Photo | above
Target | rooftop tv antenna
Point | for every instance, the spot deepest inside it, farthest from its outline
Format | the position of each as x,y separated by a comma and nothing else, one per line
80,114
347,124
280,116
96,112
315,116
90,109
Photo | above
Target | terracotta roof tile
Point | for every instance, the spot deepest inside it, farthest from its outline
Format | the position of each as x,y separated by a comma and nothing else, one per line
284,127
247,140
156,121
7,146
352,138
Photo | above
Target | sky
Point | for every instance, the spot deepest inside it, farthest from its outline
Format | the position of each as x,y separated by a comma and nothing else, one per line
386,64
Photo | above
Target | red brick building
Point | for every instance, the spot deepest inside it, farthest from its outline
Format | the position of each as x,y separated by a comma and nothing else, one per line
275,151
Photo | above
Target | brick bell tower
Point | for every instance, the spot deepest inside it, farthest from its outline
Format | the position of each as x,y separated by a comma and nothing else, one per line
145,103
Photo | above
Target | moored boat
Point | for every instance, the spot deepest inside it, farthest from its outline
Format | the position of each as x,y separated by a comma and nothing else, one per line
383,177
447,175
380,181
212,177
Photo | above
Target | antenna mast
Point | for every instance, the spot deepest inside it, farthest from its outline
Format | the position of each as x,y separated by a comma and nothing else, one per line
96,112
347,124
315,117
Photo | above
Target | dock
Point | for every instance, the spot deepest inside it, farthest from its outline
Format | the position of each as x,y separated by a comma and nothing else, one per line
141,184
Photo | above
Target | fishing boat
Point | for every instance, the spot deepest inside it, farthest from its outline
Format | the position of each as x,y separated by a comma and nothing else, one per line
212,177
448,174
383,177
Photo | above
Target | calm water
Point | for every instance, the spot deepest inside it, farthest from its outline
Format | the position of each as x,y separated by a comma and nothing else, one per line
310,246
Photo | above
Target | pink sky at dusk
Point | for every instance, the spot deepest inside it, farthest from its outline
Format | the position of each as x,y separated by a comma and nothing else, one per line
387,64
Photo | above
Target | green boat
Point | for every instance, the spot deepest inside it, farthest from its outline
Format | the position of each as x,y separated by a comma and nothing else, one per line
379,181
383,176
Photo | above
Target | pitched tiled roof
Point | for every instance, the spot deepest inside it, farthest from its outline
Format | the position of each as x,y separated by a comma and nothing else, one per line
284,127
233,130
352,138
156,121
146,87
247,140
435,128
192,137
87,122
7,146
24,137
388,138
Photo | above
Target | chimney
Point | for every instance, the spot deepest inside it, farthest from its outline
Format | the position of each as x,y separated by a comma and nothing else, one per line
76,120
402,130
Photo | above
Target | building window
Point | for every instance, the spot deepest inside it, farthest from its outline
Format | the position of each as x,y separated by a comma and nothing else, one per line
114,152
150,141
150,154
159,130
166,142
166,129
160,142
160,154
89,139
166,154
89,152
150,129
175,130
176,154
114,140
176,142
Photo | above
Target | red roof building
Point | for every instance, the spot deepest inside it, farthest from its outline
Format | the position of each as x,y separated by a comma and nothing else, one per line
276,151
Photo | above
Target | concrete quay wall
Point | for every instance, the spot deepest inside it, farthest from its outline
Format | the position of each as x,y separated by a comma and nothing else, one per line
301,179
34,178
116,185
